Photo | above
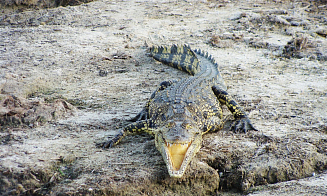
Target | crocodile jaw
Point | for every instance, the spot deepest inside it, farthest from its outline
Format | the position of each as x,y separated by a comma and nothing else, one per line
176,155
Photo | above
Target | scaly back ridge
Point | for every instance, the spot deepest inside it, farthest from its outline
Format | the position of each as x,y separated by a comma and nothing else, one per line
180,57
217,76
206,55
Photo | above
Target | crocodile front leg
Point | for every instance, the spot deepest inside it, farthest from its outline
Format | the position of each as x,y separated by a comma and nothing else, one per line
134,128
242,122
144,114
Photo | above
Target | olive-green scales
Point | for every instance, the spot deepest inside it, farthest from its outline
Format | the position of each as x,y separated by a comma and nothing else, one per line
178,113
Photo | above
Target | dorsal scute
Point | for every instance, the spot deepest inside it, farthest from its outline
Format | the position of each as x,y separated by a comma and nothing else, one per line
206,55
180,57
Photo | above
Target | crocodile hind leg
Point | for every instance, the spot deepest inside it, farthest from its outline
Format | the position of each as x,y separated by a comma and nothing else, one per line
144,114
242,122
134,128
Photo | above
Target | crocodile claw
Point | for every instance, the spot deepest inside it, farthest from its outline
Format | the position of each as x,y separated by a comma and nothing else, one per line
112,142
106,144
242,125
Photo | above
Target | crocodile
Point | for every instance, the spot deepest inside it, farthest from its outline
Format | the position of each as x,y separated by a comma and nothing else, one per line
178,113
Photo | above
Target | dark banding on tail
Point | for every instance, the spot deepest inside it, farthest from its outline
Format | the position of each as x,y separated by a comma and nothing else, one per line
180,57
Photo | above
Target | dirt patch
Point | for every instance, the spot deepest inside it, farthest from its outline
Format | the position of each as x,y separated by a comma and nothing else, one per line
271,54
24,5
17,111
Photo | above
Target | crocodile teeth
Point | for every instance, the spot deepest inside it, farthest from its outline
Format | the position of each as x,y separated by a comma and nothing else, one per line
177,152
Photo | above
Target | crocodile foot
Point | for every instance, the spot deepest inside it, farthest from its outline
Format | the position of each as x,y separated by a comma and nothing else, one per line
242,125
112,142
106,144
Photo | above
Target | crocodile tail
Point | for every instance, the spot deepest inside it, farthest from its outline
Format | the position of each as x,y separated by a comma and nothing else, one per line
180,57
204,56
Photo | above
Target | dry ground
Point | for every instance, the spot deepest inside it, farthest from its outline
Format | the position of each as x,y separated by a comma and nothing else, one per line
72,76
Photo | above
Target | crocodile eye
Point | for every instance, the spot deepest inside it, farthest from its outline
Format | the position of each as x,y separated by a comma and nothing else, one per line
170,124
187,126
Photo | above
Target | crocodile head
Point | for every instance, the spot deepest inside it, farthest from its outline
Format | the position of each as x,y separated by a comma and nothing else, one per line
178,142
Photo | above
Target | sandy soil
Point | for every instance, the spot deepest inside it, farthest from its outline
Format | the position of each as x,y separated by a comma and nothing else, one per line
72,76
